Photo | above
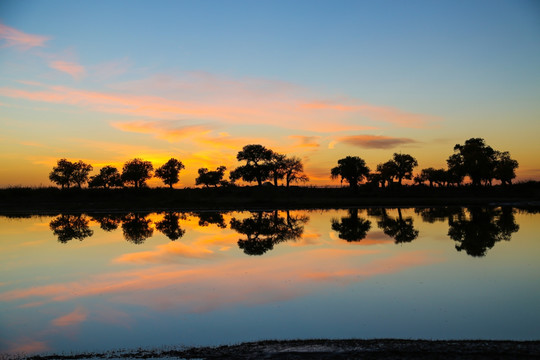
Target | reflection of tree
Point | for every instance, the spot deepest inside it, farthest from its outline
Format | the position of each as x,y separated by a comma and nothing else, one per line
136,228
400,228
170,227
265,229
438,213
481,229
107,222
68,227
351,228
211,217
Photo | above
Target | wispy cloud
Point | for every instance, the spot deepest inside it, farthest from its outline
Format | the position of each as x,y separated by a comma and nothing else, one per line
14,38
226,101
163,129
375,141
75,70
306,141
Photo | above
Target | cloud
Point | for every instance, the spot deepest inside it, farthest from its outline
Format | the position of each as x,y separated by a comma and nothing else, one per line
163,129
75,70
226,101
14,38
306,141
166,253
375,141
77,316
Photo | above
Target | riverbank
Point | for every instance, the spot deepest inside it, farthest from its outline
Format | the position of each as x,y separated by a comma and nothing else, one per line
54,200
332,349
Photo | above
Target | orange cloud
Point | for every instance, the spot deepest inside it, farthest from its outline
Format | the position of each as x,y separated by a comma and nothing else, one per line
77,316
168,253
75,70
18,39
375,141
306,141
162,129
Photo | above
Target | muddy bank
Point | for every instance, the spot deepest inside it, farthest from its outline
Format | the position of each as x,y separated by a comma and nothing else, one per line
334,349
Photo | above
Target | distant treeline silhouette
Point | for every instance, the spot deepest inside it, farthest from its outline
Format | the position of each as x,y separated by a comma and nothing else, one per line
474,159
475,229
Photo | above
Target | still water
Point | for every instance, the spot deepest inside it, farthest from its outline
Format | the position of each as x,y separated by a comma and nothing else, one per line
94,282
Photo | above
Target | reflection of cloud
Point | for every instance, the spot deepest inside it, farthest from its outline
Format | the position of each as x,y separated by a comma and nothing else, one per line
245,280
77,316
167,253
375,141
75,70
27,346
18,39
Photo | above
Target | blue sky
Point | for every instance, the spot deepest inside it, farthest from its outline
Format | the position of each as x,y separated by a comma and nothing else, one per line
463,68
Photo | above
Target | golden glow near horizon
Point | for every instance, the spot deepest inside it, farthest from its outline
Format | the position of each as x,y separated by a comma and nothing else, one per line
94,95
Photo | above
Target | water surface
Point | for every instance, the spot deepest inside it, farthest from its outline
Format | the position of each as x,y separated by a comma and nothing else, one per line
94,282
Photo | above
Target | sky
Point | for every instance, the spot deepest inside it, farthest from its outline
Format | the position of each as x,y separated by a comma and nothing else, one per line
108,81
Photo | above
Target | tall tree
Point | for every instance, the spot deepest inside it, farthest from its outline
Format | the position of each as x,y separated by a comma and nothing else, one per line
277,167
351,169
108,177
387,171
294,171
169,171
256,167
476,159
67,173
62,173
210,178
505,168
405,164
136,172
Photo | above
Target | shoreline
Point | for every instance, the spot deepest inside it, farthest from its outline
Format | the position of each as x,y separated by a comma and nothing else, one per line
54,200
329,349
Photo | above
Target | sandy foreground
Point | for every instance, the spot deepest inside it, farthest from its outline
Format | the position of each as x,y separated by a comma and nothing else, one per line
330,349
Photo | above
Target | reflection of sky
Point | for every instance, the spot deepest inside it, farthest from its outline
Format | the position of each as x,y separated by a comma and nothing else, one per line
104,292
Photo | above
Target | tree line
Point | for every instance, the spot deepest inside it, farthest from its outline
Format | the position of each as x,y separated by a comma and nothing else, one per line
475,159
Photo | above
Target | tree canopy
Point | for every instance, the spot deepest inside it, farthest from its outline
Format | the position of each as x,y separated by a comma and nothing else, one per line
351,169
169,171
136,172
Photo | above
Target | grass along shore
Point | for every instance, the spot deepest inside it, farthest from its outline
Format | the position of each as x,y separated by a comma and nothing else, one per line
44,200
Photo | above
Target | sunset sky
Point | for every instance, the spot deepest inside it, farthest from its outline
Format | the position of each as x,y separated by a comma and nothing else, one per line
107,81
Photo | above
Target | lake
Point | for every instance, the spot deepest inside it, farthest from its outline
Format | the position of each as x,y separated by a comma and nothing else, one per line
95,282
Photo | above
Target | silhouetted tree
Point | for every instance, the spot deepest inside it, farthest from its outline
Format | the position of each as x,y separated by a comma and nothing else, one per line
456,170
294,171
476,159
404,165
136,172
256,168
169,171
439,213
351,169
277,167
400,228
505,168
68,227
387,171
479,231
136,228
351,228
435,176
170,226
211,178
67,173
108,177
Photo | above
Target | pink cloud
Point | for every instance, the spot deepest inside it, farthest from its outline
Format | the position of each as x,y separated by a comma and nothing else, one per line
75,70
375,141
162,129
227,101
15,38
